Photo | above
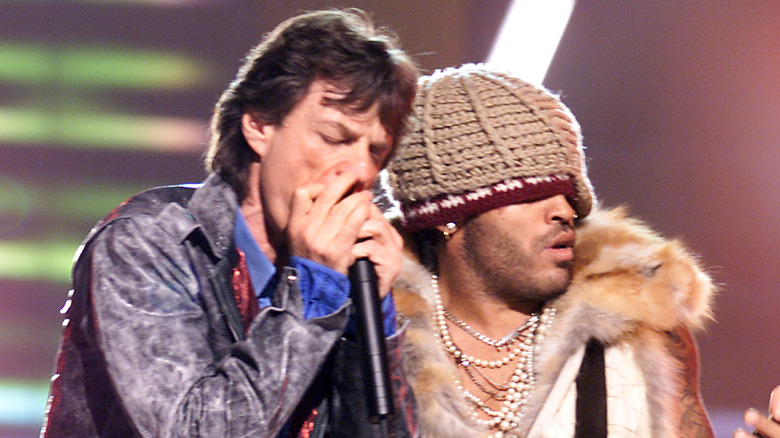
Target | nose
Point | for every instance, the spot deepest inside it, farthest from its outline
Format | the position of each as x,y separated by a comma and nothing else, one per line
358,162
363,165
559,210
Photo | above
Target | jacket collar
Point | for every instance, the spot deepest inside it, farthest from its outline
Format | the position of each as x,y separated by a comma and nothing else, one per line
213,205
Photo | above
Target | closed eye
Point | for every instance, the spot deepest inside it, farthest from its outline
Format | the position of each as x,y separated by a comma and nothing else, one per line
335,141
379,153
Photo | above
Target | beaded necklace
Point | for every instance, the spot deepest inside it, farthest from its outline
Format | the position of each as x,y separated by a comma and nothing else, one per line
520,344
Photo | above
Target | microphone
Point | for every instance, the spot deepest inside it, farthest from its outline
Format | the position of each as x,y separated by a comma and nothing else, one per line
370,335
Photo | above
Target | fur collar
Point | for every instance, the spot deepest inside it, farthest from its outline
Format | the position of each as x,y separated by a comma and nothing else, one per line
629,285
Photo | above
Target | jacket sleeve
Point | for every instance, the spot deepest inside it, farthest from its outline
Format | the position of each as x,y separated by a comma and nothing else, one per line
157,341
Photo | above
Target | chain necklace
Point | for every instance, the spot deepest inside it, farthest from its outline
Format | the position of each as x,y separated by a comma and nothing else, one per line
508,339
512,394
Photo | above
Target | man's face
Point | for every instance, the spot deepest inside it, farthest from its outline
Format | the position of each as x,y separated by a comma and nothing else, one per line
523,252
316,143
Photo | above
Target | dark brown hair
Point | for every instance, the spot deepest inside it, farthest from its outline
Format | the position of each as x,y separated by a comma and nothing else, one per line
341,47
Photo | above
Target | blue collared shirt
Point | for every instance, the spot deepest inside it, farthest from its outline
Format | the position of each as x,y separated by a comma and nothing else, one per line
323,290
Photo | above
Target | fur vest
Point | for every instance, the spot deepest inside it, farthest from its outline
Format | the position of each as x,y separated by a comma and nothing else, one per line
629,286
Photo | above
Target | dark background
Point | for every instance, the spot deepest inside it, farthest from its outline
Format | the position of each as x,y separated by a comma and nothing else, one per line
679,104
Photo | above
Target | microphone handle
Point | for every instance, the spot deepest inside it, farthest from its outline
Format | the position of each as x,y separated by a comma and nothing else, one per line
370,335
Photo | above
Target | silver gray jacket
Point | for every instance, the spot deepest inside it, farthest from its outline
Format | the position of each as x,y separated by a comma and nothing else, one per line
153,345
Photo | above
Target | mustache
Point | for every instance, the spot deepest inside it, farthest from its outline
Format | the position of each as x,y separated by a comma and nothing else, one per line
551,236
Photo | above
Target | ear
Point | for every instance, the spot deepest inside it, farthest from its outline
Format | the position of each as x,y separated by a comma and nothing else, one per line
257,134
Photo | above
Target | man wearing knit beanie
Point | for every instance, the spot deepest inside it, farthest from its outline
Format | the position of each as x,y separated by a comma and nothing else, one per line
531,311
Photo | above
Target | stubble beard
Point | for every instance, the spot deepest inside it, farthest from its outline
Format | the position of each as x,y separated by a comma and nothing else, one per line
509,272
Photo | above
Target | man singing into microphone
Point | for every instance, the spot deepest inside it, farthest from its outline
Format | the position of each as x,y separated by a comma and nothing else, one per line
223,309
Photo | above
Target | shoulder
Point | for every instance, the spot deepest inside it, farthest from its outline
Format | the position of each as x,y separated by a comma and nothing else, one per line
146,208
150,203
625,269
135,256
138,231
635,288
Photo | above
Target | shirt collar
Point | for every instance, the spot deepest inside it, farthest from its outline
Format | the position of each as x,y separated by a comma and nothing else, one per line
261,270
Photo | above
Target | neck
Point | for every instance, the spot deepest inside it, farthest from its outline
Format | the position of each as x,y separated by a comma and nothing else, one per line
466,295
253,212
497,378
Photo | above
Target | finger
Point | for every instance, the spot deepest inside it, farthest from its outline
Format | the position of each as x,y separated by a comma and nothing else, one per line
369,248
387,261
347,217
763,425
301,204
379,228
741,433
335,191
303,200
392,231
312,206
326,239
384,236
380,231
339,237
373,229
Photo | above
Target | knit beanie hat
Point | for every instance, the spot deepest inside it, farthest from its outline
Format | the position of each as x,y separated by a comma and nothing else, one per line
482,139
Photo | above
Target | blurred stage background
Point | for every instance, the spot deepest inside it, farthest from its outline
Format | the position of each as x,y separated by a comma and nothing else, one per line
679,104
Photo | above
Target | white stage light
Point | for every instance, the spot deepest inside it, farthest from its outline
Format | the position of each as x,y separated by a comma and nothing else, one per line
529,37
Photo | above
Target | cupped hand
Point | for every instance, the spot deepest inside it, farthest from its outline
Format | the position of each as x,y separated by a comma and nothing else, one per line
334,226
325,220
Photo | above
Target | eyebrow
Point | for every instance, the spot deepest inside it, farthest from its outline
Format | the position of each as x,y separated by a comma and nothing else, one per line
343,129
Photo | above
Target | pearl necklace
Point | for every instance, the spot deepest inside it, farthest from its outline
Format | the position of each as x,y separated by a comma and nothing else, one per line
515,392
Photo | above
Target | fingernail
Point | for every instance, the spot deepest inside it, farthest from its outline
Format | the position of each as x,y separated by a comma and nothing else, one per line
775,404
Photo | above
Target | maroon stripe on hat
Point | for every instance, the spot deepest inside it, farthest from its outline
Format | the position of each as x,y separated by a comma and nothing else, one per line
453,208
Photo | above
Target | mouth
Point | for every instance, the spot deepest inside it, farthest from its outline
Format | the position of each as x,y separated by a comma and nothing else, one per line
562,247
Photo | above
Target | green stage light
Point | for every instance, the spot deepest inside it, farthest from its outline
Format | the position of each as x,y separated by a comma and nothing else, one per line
116,67
101,130
24,63
67,202
87,204
24,125
50,257
37,260
96,67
